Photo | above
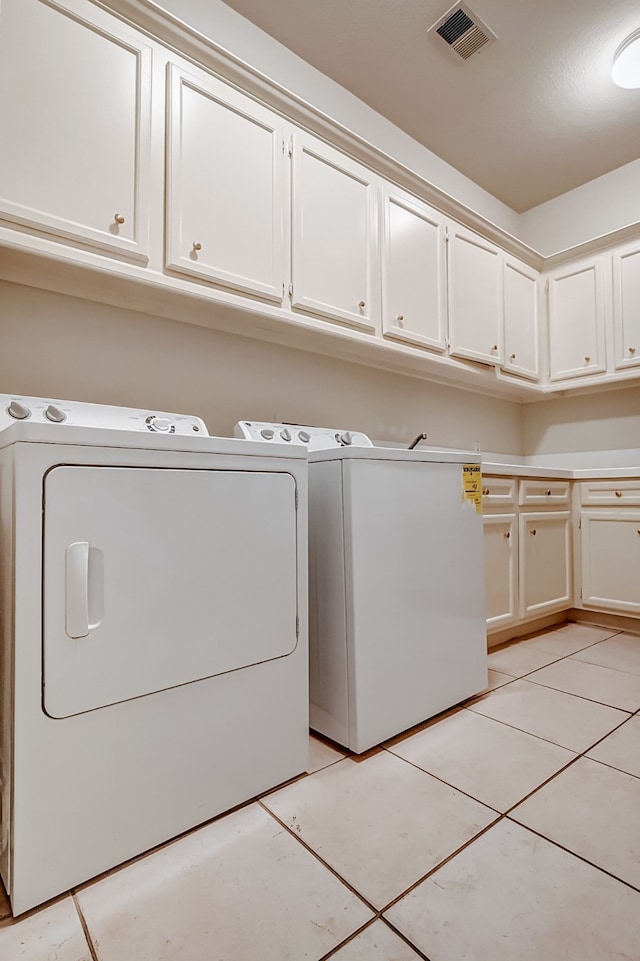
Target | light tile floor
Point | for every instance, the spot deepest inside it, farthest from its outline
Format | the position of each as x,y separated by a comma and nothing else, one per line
506,829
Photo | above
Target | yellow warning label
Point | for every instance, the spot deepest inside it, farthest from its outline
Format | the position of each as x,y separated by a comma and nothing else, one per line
472,485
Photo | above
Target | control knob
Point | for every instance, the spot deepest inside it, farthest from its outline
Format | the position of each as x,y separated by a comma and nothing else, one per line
285,434
346,438
304,436
54,414
267,433
161,423
17,410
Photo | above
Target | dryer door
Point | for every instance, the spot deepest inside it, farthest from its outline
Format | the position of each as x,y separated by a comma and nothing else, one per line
157,577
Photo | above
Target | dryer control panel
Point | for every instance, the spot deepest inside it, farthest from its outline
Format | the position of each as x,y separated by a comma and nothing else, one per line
313,438
15,408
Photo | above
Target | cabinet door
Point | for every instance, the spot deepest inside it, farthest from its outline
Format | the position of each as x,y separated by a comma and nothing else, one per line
74,115
626,306
224,186
521,319
334,240
610,542
501,565
577,322
413,272
475,298
544,552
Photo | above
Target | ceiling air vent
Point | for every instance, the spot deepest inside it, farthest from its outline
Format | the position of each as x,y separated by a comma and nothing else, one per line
463,30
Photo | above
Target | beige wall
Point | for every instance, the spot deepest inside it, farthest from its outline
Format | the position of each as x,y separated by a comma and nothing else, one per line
59,346
602,421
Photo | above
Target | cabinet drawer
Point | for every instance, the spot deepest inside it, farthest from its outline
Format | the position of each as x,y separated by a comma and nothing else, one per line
611,492
542,492
498,493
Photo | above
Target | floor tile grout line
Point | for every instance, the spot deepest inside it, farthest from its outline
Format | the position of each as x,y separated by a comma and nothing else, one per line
581,857
85,926
361,930
548,740
440,864
581,696
448,784
307,847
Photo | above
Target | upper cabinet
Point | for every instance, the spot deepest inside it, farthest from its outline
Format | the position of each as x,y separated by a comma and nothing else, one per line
626,305
521,344
577,320
414,294
334,239
224,190
75,88
475,297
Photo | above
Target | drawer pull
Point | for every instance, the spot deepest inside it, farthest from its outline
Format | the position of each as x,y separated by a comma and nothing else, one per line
197,246
507,534
486,491
533,532
587,359
618,493
362,304
495,347
512,357
119,219
632,350
548,493
400,320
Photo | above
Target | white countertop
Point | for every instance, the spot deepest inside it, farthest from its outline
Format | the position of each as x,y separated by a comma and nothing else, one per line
580,465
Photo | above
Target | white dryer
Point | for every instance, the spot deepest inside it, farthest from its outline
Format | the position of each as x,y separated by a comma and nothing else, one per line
153,647
396,584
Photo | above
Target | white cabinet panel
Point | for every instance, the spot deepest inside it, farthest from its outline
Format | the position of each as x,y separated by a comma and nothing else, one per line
413,272
475,298
610,560
501,570
521,319
544,551
74,115
577,321
224,187
334,242
626,306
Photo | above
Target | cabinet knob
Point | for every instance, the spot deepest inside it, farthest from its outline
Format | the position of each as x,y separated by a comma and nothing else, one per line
512,357
548,493
119,219
632,350
495,347
507,535
486,491
533,532
400,320
587,359
618,493
362,304
197,246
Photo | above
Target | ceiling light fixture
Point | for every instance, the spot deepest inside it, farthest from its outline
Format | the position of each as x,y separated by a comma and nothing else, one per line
626,62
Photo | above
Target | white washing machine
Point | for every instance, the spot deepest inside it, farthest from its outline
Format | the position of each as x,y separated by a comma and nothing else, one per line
396,584
153,645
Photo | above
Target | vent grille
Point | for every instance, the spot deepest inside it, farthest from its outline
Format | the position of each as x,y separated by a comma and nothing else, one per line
463,31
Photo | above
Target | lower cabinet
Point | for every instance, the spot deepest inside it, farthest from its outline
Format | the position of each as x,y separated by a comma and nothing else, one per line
610,558
609,545
544,563
501,567
527,551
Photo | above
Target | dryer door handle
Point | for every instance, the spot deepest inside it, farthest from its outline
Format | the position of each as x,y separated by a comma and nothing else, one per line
77,589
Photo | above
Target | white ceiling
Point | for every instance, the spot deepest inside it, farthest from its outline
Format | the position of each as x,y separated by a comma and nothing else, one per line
528,117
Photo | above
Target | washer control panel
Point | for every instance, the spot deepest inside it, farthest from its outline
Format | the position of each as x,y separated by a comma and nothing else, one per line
315,438
15,409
